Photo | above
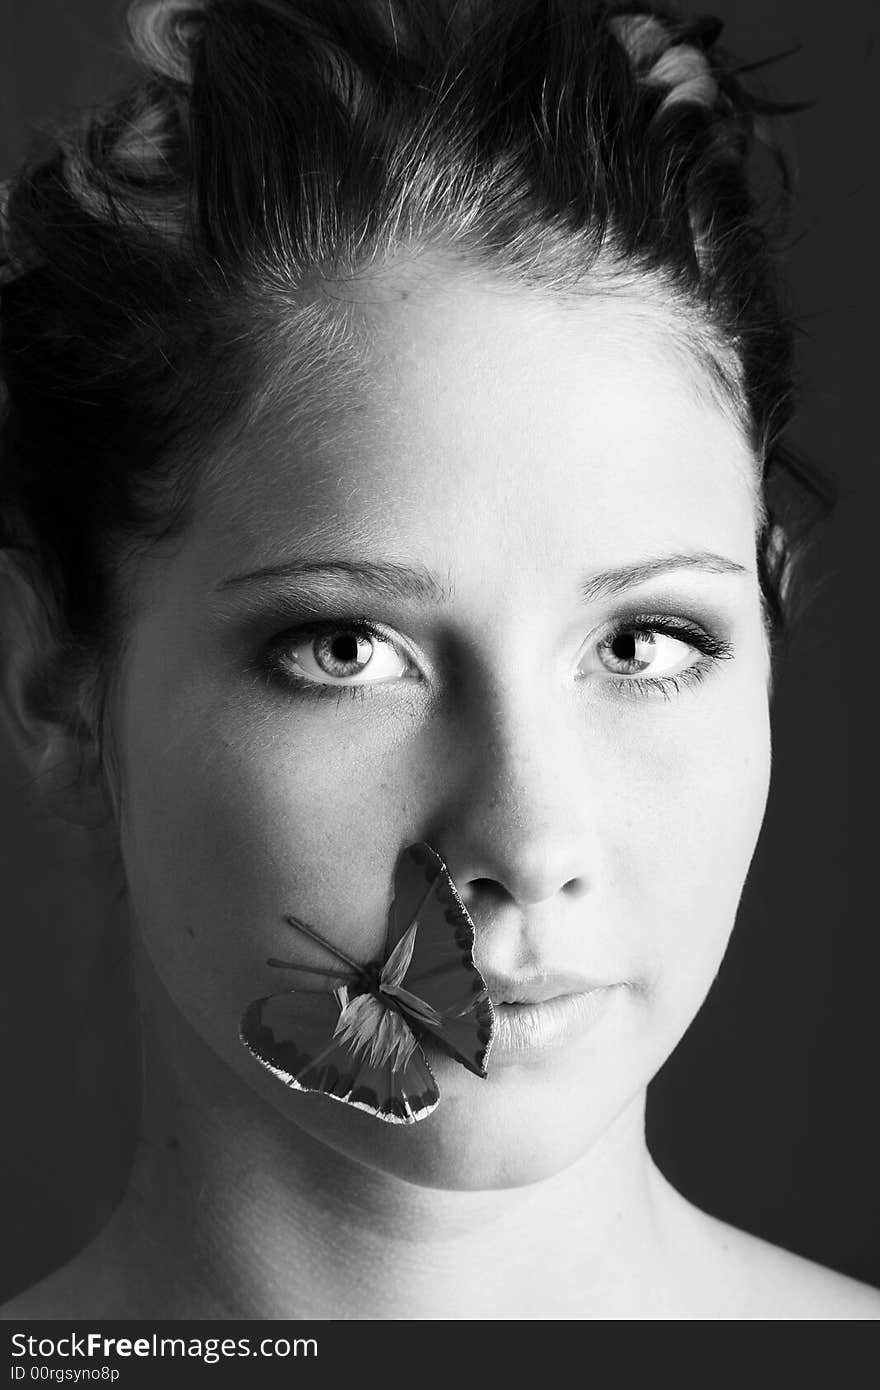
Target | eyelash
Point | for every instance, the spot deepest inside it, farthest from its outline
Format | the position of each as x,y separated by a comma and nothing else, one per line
277,672
712,650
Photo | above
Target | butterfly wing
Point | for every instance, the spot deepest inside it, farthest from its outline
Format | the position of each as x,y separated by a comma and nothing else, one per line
441,971
292,1035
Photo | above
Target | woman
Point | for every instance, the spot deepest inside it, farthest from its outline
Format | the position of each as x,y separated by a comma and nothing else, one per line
394,398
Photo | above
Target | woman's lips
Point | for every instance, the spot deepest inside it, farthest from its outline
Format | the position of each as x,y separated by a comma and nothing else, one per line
535,1016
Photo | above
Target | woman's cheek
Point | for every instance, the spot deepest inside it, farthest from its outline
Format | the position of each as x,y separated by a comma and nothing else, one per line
280,818
703,802
243,814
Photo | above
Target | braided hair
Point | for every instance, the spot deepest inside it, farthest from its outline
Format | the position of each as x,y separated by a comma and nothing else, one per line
157,259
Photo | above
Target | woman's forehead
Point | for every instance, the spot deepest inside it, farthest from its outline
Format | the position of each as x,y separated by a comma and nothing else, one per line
493,422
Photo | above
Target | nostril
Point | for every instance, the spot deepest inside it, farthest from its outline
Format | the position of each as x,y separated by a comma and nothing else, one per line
575,888
484,890
479,893
539,889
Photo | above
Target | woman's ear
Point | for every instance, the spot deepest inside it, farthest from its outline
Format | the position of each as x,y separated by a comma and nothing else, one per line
51,737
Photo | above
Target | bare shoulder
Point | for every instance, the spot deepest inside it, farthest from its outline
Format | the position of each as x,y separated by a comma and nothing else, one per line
776,1283
744,1277
52,1297
84,1287
35,1305
118,1275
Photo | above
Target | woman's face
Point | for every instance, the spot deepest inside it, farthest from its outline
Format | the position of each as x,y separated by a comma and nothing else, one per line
501,598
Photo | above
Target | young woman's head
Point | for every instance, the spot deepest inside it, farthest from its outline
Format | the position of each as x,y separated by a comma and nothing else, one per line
392,393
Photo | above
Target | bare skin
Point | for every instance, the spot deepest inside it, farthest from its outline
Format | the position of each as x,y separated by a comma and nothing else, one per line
195,1234
507,446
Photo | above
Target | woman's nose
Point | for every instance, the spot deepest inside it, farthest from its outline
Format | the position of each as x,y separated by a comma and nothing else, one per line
519,822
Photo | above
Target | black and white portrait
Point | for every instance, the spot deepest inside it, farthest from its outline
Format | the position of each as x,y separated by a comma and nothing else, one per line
437,733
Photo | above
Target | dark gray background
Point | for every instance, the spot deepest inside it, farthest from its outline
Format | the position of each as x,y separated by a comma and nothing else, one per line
767,1113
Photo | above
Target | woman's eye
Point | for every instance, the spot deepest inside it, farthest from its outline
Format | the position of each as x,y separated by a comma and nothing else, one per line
341,656
637,652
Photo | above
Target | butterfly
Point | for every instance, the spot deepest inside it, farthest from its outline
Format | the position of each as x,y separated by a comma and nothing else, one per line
360,1041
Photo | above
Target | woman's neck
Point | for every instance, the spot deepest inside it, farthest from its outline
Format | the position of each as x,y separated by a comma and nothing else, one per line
234,1211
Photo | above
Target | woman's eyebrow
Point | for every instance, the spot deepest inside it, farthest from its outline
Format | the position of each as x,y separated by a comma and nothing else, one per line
385,579
607,583
382,578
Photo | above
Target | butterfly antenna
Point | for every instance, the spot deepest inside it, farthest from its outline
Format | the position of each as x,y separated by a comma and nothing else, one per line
328,945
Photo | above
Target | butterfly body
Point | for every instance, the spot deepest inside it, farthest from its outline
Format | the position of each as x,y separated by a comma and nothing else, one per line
361,1043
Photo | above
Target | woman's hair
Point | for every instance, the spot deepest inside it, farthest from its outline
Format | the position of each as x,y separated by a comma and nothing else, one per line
170,258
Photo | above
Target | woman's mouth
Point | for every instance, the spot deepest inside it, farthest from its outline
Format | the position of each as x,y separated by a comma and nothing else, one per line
533,1017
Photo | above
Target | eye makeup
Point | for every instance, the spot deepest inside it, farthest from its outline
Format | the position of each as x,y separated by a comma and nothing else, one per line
683,651
329,646
638,635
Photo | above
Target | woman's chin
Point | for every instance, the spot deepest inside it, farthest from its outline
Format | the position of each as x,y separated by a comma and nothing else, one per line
484,1134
